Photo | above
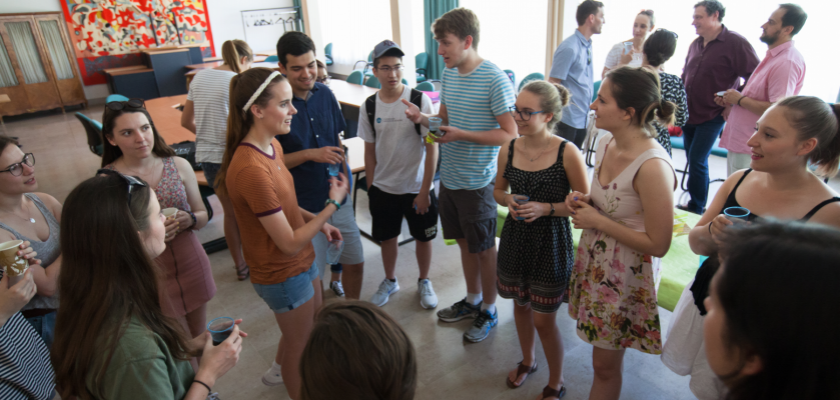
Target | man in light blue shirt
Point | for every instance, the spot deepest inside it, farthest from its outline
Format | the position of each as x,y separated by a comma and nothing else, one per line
572,68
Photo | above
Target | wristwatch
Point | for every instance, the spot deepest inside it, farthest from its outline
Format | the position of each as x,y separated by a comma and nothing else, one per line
337,205
550,213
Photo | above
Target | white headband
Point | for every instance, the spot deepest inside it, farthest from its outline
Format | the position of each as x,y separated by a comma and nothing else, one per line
259,91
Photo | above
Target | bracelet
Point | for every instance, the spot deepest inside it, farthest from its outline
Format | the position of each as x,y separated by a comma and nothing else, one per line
195,221
739,100
710,228
331,201
551,213
203,384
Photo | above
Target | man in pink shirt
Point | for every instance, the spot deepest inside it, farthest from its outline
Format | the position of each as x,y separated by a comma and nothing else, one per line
779,75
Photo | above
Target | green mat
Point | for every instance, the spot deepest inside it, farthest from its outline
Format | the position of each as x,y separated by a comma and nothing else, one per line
678,266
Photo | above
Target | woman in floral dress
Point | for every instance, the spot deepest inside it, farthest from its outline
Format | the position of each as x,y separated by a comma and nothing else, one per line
627,224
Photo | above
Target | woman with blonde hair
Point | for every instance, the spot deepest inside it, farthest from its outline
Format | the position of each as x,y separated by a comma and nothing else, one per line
205,114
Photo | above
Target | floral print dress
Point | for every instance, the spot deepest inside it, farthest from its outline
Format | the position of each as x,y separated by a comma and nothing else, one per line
613,287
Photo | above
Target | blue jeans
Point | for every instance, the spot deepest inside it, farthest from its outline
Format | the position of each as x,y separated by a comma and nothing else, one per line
45,326
699,140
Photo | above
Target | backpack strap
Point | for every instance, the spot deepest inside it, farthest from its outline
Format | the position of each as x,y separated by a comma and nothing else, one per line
370,108
416,98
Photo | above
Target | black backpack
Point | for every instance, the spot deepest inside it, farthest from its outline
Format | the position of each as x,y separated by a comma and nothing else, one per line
416,97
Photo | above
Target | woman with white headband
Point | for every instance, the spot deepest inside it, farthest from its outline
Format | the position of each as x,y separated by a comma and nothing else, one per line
276,233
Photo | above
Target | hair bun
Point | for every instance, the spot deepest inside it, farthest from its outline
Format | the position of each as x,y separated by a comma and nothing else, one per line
565,94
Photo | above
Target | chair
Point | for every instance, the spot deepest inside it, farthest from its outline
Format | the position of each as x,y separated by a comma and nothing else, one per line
425,87
421,62
373,82
93,129
115,97
512,76
328,54
272,59
356,77
368,64
595,88
678,142
531,77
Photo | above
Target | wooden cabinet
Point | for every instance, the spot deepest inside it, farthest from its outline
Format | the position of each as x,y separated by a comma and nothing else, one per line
38,69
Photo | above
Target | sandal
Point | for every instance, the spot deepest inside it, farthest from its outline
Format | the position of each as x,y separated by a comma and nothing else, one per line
549,392
522,369
242,274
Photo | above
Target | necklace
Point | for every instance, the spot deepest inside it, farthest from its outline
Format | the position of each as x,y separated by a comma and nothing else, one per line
547,142
32,220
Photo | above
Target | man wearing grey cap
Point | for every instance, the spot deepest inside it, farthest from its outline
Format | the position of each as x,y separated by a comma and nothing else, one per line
399,169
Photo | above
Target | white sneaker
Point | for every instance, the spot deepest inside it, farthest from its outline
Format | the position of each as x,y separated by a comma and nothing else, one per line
272,377
337,288
428,298
386,289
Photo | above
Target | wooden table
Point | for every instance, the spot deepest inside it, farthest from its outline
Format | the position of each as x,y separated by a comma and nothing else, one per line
351,94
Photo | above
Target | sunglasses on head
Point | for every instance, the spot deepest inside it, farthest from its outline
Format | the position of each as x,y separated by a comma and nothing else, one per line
130,180
121,105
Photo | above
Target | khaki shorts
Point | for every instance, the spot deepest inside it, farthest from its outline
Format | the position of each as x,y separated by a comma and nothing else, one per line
470,215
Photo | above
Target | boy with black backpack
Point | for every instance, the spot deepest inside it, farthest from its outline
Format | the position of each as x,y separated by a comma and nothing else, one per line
399,169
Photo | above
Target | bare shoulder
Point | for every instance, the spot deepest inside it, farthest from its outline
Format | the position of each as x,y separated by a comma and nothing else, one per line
48,200
184,167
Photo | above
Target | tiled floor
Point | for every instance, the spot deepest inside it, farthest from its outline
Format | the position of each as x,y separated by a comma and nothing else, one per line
449,368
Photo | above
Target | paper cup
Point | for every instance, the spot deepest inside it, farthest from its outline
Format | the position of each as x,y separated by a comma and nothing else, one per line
13,265
720,94
169,212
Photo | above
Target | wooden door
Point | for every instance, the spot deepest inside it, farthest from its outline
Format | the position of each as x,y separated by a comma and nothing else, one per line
32,66
53,33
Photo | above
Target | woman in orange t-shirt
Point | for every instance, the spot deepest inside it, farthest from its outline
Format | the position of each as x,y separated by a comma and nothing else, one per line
276,233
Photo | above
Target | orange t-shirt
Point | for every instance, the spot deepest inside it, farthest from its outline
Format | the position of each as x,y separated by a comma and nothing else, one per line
259,184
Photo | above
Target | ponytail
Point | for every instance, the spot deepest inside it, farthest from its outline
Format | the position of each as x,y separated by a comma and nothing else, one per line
639,88
242,87
233,51
813,118
553,98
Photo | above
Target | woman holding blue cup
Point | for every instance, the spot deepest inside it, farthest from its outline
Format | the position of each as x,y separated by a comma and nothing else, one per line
794,133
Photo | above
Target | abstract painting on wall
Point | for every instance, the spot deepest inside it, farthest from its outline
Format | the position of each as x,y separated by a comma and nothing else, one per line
111,29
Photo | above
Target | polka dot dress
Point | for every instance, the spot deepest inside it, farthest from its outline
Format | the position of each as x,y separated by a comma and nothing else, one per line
535,259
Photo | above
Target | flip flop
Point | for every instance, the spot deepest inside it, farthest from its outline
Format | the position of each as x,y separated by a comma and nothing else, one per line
241,276
549,392
521,369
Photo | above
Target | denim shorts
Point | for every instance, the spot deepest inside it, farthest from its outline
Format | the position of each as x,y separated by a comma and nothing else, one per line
289,294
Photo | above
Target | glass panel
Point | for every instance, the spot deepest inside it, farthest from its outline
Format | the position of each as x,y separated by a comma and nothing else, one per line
7,72
58,54
27,52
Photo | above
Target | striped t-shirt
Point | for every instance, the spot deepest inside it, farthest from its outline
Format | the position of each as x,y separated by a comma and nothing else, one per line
473,101
209,92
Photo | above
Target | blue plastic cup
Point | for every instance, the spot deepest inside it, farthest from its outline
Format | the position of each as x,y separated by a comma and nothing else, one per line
220,328
334,169
434,124
521,199
334,250
737,214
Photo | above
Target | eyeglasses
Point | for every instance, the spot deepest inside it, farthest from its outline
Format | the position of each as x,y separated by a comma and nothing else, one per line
325,79
671,32
121,105
16,169
387,70
588,56
524,115
130,180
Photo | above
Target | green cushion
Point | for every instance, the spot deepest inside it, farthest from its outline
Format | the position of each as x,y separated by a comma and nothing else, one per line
719,151
678,266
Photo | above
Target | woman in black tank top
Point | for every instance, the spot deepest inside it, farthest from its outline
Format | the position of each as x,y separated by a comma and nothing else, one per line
792,135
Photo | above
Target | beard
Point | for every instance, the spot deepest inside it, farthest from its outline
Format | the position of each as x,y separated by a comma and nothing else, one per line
769,39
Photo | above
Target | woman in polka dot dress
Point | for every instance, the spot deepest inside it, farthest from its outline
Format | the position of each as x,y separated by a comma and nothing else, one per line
536,249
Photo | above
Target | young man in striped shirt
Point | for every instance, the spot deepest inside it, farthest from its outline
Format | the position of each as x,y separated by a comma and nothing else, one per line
475,102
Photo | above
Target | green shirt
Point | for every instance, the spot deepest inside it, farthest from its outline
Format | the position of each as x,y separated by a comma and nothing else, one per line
143,368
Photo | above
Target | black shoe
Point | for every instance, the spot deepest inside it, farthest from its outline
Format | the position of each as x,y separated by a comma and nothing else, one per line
685,208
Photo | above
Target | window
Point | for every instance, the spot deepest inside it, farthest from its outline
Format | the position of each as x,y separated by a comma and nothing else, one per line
512,34
354,27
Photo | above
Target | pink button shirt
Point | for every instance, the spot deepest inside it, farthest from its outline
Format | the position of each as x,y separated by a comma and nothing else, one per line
780,74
